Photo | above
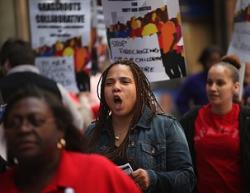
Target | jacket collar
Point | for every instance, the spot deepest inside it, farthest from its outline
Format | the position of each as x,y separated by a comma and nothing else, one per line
144,121
24,68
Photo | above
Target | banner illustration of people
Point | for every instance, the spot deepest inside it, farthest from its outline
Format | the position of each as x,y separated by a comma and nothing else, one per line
148,32
60,34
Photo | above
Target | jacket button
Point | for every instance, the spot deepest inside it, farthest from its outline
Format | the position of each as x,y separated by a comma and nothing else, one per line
132,143
153,151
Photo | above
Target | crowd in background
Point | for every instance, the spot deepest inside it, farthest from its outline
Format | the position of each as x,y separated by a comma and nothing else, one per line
75,141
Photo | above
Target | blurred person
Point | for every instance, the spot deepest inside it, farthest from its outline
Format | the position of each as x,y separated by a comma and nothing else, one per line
85,108
17,63
247,75
3,164
246,84
218,133
192,91
130,130
246,96
166,102
17,60
47,149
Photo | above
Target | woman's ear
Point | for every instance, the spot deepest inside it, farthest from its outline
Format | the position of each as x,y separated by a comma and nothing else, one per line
61,139
236,88
6,66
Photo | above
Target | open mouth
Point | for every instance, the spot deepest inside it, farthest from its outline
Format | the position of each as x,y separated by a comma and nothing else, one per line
117,100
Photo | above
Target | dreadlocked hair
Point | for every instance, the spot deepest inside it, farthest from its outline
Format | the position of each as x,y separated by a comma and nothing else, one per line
144,98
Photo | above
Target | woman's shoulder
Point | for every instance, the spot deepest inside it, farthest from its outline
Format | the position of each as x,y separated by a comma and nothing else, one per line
191,114
90,162
164,121
244,117
96,171
245,110
164,117
87,157
83,161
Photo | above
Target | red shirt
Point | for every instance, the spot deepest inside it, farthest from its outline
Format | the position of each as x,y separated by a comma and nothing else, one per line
217,147
83,173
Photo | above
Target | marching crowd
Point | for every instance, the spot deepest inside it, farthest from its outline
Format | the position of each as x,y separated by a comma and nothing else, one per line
47,148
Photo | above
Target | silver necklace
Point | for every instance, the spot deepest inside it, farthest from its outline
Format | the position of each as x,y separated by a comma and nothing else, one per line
117,137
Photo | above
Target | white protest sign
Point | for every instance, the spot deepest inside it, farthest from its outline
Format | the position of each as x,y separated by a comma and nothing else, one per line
147,32
134,50
240,43
53,20
62,29
60,69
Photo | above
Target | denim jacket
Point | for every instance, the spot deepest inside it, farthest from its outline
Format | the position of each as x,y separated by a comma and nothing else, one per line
160,147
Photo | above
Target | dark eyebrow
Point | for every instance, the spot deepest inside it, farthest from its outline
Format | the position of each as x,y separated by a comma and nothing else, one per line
108,79
125,78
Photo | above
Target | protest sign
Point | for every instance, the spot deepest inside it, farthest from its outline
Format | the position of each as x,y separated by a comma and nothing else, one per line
60,69
240,43
61,29
147,32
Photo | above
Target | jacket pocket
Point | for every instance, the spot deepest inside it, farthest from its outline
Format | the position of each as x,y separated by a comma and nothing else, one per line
153,156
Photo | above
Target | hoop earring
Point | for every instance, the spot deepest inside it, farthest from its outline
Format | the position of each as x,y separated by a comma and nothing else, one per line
61,143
